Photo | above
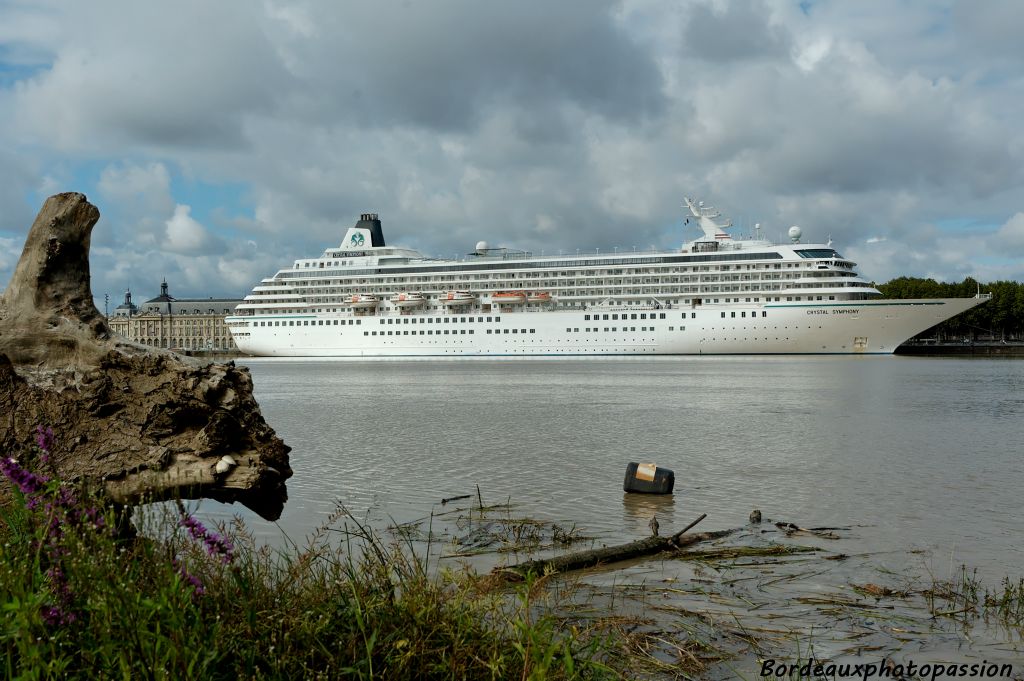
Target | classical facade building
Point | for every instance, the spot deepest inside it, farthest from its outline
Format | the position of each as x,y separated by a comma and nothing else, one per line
175,323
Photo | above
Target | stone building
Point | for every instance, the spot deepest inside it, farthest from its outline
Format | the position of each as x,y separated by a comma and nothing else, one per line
175,323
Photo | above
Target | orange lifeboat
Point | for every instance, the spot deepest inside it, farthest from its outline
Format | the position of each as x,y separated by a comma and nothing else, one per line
508,297
456,298
363,301
407,300
539,297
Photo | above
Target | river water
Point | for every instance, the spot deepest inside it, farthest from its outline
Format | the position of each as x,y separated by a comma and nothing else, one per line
923,453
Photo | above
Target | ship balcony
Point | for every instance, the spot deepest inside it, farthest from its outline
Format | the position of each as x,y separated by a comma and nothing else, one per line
270,306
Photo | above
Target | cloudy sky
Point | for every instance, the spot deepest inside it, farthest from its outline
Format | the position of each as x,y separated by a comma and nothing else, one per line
222,139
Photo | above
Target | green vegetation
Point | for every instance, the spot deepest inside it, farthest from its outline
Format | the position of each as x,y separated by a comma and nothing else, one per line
963,596
82,601
1001,318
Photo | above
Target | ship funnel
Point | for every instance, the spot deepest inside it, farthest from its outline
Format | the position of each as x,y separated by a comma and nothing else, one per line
371,222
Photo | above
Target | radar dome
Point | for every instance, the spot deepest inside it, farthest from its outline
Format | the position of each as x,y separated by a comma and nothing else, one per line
795,233
481,246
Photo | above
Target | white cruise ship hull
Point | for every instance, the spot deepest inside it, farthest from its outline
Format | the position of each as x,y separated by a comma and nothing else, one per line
846,327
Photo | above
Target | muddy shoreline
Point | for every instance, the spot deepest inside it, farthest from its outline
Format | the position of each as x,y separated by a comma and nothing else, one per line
722,609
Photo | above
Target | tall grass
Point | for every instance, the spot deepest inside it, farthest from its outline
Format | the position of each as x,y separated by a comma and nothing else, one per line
180,601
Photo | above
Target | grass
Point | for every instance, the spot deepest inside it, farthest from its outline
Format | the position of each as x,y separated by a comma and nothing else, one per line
964,597
179,601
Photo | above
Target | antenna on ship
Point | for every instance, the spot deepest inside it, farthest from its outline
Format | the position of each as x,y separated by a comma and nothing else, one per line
757,230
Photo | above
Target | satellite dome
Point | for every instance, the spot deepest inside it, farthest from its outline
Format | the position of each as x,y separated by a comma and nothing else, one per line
795,233
481,246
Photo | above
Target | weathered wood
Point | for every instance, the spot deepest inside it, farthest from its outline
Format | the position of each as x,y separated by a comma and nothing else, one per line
139,422
607,554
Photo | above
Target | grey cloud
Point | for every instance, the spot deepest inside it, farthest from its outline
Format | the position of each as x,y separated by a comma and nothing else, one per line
538,126
993,27
443,65
740,30
184,75
849,126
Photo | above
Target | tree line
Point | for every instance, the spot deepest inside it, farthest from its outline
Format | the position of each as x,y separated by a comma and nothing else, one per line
1001,318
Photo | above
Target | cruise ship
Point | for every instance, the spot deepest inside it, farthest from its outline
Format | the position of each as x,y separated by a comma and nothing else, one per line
714,295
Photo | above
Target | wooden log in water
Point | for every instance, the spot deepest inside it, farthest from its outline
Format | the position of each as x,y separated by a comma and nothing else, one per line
608,554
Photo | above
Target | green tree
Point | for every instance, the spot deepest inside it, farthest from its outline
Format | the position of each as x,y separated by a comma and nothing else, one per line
1002,317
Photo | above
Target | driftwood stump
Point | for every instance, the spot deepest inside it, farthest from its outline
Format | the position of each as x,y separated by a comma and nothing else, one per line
141,423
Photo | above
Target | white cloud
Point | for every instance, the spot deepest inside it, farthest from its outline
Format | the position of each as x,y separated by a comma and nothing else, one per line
1009,238
10,251
186,236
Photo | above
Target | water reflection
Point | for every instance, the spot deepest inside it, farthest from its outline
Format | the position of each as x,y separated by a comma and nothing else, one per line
638,509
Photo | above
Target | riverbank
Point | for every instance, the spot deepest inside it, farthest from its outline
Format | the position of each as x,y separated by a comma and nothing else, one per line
217,355
419,601
986,349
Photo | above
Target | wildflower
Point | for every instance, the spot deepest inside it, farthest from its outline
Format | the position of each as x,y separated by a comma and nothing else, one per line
25,480
44,440
197,586
55,616
216,545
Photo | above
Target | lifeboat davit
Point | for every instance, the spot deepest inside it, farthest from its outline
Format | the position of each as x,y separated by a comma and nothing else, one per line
406,300
509,297
363,301
455,298
539,297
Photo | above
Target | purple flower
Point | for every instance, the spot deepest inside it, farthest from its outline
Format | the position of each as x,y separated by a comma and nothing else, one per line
61,613
25,480
216,545
55,616
197,586
44,439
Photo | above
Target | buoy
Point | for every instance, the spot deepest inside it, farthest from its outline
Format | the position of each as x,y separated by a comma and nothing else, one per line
648,478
